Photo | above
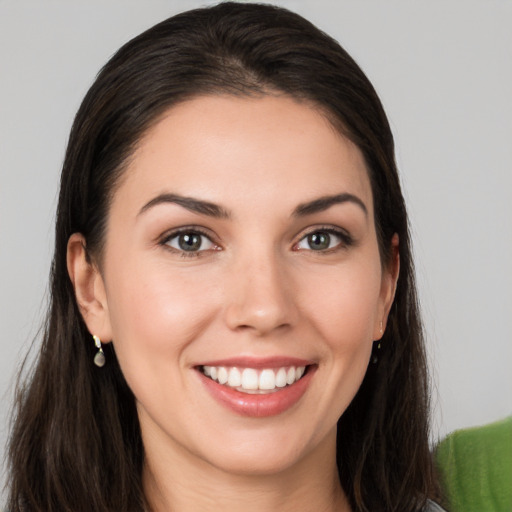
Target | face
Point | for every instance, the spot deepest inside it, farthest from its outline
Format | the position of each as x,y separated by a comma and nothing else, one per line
242,282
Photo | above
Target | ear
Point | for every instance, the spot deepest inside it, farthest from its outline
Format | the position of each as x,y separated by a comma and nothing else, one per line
89,288
388,288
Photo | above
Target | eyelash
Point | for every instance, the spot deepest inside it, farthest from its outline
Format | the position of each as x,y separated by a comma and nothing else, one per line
187,230
346,240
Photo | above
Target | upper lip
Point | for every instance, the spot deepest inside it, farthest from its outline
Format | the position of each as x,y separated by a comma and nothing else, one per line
258,362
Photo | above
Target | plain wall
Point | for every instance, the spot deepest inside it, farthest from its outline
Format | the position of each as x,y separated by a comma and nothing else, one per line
443,70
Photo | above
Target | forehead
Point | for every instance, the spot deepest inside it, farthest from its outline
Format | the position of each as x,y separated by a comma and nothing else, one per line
240,150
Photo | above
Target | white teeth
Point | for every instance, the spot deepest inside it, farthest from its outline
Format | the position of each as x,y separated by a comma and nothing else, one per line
251,380
222,375
267,379
281,378
235,378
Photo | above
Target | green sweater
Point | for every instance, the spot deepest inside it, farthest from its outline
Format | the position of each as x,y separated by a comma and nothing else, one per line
475,467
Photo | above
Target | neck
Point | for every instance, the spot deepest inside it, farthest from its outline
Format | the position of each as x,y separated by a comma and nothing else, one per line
180,483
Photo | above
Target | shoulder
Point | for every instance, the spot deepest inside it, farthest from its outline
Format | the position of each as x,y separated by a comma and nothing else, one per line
432,507
475,467
482,438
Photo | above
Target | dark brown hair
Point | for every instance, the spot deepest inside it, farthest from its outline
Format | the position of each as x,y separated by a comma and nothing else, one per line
76,443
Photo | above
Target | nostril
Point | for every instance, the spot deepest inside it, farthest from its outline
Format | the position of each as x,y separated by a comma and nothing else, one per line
260,299
260,321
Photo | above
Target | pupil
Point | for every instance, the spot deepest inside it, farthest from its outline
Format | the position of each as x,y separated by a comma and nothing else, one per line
189,242
318,241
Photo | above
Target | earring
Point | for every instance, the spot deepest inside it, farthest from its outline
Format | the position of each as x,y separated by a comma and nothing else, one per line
376,347
375,356
99,358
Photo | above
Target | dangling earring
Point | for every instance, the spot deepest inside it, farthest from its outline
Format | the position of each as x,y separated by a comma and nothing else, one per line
376,347
99,358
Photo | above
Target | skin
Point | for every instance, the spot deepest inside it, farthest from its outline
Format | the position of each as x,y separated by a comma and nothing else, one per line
256,288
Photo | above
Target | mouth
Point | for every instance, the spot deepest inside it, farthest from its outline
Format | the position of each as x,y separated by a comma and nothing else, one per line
254,380
257,389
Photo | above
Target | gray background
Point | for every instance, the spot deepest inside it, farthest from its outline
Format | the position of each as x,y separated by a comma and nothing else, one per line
444,72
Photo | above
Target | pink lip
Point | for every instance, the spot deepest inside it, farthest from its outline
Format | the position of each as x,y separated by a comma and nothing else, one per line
258,362
255,405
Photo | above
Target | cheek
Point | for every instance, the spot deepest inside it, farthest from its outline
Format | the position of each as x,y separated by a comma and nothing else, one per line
155,316
155,313
344,305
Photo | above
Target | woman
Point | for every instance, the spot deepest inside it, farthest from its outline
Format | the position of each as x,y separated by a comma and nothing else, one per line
233,319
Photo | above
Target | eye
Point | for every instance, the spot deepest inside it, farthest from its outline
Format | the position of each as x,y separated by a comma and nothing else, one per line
323,240
189,241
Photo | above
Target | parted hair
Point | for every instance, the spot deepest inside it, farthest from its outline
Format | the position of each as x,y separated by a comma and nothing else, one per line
75,443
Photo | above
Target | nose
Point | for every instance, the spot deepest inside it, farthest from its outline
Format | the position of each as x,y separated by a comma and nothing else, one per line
260,297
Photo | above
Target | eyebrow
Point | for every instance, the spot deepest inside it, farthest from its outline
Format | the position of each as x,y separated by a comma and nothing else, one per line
323,203
212,210
194,205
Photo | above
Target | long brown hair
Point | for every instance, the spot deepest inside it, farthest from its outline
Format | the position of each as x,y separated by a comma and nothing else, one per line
75,442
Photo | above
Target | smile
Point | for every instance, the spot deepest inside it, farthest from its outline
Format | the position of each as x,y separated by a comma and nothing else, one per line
257,388
252,380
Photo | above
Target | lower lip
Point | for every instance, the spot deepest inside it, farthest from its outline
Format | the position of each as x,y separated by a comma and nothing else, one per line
259,405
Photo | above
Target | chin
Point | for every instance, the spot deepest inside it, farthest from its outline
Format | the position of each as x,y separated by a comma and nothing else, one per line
269,454
259,464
